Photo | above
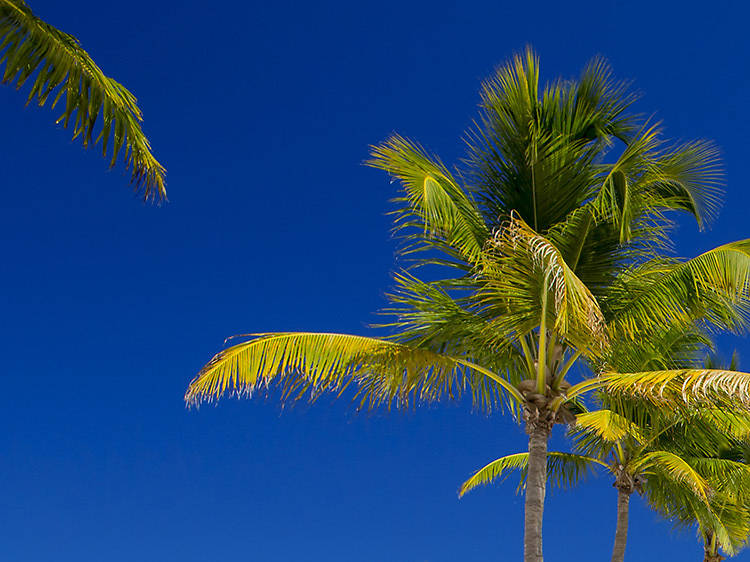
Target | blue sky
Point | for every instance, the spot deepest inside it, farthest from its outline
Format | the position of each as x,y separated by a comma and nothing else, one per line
262,115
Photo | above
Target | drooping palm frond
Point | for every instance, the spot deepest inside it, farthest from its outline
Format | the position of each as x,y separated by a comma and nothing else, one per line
725,476
521,268
673,387
725,517
673,467
31,48
434,201
609,426
683,508
713,288
649,178
564,470
382,371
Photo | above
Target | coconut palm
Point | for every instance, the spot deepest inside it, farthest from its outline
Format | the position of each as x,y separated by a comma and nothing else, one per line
724,522
723,459
675,467
551,242
54,63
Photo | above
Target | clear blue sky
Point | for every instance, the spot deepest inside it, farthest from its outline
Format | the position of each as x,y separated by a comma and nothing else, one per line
262,115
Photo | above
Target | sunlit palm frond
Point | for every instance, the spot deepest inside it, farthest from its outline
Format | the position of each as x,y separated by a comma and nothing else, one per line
683,508
521,267
434,201
31,48
725,476
382,371
713,288
674,387
564,470
609,426
673,467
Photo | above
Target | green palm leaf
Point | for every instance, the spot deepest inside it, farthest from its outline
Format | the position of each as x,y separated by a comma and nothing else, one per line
674,467
521,267
29,47
608,426
435,203
673,387
564,470
383,371
713,287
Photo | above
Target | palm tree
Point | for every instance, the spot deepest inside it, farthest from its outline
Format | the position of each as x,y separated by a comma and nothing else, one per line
674,467
722,458
32,49
723,522
546,251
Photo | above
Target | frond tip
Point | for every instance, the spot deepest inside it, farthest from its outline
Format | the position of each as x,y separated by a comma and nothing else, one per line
30,46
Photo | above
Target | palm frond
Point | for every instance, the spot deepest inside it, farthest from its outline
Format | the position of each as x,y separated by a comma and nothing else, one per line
434,201
673,467
683,508
608,425
564,470
382,371
673,387
31,48
522,266
534,149
713,288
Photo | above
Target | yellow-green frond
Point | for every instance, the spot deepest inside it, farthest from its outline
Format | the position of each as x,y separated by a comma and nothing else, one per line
674,467
435,203
564,470
33,49
382,371
674,387
608,425
713,288
497,470
520,266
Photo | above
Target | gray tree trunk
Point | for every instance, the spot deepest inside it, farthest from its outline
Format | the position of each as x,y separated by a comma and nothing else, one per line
621,534
535,488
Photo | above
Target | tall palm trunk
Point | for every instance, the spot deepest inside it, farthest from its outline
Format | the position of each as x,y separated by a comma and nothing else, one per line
538,428
621,534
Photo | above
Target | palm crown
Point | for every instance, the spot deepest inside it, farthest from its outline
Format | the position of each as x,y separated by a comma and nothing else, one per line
551,240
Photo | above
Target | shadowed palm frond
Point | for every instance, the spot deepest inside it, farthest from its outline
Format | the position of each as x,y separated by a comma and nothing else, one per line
648,179
31,48
564,470
382,371
534,149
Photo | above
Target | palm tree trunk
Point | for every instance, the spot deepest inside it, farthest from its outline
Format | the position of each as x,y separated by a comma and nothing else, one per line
538,430
711,549
621,534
